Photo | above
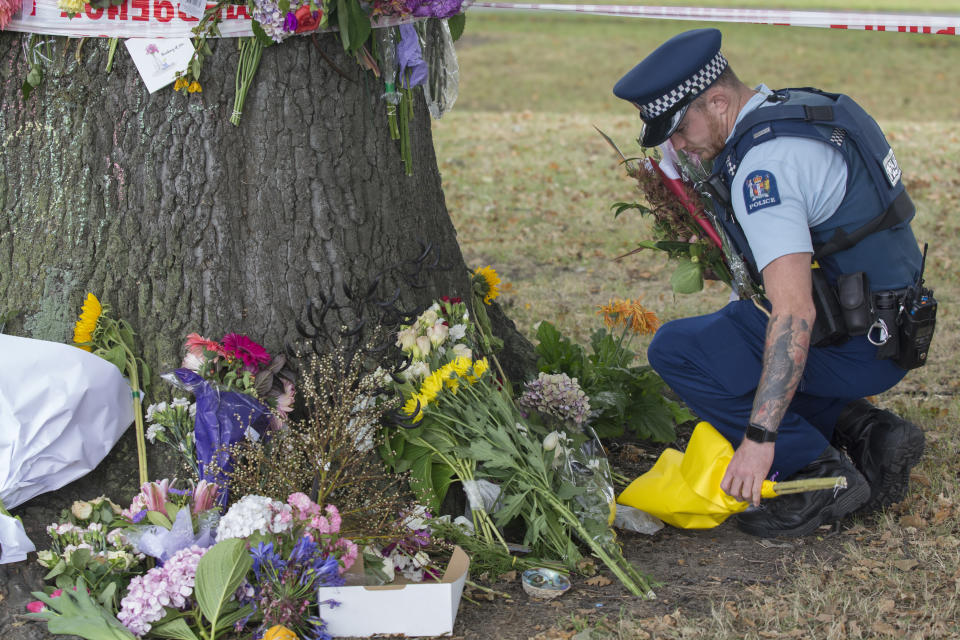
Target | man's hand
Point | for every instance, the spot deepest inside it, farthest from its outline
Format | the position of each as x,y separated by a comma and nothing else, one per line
747,470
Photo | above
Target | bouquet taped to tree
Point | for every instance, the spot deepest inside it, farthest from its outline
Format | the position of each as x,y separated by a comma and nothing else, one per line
61,411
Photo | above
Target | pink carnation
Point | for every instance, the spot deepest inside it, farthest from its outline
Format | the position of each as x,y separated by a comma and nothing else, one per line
304,505
7,9
249,352
349,555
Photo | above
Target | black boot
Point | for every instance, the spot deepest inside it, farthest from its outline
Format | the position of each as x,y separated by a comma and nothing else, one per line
801,514
884,447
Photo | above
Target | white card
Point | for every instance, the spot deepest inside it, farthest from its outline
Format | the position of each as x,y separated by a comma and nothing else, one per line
159,59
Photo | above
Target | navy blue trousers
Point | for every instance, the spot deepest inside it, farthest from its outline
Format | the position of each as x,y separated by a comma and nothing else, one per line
713,363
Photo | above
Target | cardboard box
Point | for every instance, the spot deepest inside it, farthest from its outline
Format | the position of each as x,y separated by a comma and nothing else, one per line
413,609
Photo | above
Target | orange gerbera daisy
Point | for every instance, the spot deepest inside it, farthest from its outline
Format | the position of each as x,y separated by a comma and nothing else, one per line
630,314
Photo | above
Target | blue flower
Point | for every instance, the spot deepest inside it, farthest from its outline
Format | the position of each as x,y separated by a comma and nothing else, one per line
303,551
263,554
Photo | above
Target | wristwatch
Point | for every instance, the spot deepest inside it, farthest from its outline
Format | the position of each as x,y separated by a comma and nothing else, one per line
759,434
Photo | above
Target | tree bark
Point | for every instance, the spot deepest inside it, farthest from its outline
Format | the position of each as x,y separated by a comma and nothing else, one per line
182,222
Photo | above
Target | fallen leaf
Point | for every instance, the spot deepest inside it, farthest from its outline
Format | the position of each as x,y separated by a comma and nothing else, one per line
599,581
883,627
509,576
886,605
919,478
906,564
824,617
913,521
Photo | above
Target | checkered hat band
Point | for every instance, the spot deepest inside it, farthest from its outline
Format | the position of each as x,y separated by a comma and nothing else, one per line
695,85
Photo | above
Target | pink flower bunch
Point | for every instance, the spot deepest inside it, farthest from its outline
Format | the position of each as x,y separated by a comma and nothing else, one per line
168,586
7,9
237,363
322,526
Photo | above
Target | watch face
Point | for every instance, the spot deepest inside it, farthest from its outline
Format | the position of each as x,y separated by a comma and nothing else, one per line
759,434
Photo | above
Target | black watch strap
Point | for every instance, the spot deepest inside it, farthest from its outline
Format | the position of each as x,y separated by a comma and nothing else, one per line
759,434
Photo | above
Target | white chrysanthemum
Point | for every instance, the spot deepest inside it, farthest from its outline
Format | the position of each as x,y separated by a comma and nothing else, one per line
180,402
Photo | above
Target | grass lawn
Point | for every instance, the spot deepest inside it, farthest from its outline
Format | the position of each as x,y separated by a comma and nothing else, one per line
529,185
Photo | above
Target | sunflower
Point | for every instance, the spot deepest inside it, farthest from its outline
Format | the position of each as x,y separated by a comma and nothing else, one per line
485,283
87,322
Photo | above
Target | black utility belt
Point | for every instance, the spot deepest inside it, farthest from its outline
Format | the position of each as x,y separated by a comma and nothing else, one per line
899,322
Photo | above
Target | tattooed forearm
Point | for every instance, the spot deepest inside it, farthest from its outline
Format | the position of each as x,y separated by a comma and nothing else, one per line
784,357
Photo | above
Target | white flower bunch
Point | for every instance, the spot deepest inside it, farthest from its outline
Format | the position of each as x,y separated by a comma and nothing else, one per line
253,514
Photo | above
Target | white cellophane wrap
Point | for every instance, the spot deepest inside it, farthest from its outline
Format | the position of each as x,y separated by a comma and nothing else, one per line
61,411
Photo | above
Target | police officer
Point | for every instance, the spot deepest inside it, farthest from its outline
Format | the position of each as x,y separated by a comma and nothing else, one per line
783,187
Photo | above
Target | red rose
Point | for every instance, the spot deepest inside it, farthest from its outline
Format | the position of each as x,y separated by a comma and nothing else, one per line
307,20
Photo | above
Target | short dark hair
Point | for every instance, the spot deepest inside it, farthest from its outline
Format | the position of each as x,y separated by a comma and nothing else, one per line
727,78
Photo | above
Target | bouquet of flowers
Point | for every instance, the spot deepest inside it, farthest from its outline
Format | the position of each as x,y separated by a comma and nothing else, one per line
163,519
623,394
462,419
173,425
241,392
683,224
88,544
295,547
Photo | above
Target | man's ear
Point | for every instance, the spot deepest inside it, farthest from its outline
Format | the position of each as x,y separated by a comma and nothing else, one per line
718,102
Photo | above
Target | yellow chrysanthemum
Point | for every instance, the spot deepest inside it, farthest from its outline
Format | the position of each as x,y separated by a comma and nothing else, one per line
181,83
87,322
486,281
460,365
414,407
480,367
630,314
432,386
194,87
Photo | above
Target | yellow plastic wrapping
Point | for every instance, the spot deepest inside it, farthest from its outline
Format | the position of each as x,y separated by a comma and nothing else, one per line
683,489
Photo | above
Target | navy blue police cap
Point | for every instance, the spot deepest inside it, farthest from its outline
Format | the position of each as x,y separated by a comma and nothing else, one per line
664,84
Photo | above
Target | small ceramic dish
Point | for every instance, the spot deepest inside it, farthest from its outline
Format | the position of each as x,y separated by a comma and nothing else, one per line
545,584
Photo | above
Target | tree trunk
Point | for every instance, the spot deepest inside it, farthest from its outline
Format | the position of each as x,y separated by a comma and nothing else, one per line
182,222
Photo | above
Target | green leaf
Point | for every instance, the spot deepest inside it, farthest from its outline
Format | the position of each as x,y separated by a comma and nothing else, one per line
568,491
284,6
74,612
358,24
258,33
107,594
231,617
116,356
155,517
171,510
687,277
343,20
57,569
557,354
219,573
79,558
456,25
177,628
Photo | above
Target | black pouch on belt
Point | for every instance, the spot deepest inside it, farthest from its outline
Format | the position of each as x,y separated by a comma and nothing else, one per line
856,302
828,328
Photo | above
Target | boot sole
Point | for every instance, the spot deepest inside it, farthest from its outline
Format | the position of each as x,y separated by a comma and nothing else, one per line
847,502
895,480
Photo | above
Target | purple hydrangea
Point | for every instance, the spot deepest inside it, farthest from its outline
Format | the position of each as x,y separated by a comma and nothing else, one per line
558,396
167,586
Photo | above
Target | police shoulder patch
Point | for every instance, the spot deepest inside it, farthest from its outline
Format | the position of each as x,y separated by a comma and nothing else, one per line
760,191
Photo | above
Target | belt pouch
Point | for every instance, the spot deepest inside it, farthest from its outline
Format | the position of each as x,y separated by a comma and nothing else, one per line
856,302
828,327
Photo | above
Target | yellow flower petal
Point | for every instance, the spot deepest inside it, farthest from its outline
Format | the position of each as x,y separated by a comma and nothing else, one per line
87,322
486,280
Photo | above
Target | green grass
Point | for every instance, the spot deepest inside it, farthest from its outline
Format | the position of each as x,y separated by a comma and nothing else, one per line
559,63
529,183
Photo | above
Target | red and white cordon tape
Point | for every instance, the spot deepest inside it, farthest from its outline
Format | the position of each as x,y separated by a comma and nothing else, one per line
896,22
165,19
